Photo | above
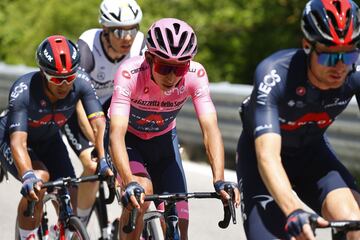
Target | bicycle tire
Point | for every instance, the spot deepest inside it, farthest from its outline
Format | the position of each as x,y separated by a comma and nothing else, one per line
76,227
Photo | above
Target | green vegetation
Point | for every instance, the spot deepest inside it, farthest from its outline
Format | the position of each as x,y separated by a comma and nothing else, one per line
233,35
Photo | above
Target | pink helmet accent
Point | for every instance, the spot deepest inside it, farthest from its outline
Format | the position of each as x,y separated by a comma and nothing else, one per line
172,39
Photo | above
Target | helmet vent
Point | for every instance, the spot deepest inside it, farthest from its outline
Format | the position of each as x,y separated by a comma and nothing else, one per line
337,5
176,27
63,60
159,38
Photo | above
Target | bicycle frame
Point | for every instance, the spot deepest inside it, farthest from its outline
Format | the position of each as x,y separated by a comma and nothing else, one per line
61,194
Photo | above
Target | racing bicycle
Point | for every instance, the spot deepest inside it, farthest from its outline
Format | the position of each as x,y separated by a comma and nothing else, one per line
169,215
106,230
67,225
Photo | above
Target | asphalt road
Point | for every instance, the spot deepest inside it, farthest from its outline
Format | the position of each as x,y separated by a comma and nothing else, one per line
204,213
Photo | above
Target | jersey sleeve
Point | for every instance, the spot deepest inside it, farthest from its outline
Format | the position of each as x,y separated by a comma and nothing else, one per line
264,112
18,107
121,99
199,89
87,62
89,98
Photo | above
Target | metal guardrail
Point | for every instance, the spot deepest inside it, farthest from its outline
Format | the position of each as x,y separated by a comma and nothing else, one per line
344,133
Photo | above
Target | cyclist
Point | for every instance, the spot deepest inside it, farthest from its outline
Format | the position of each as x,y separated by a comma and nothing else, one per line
297,94
40,103
103,51
149,91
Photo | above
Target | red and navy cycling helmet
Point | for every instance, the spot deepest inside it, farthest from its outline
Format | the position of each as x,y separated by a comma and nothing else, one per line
331,22
58,56
172,39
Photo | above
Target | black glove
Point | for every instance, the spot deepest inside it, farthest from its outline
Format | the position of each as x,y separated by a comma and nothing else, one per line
131,189
103,166
28,180
296,221
223,185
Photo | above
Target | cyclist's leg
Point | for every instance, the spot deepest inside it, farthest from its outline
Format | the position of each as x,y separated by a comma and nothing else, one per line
167,174
262,218
56,158
82,147
27,225
142,177
333,184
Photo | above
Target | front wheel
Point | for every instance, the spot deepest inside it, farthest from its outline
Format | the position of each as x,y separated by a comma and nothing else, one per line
76,230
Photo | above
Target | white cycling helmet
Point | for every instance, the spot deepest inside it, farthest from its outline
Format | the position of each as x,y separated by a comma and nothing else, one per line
119,13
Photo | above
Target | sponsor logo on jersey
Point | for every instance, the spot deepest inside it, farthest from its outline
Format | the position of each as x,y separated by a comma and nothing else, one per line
136,70
18,90
202,90
58,118
177,90
122,91
100,76
337,102
201,73
6,152
265,87
300,91
126,74
321,120
263,127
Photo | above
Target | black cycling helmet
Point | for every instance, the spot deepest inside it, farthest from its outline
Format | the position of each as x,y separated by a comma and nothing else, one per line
57,55
331,22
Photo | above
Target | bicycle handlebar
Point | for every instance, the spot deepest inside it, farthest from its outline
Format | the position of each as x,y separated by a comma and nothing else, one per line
229,208
68,181
338,226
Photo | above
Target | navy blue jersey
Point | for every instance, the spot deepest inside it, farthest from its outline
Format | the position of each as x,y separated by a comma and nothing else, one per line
283,100
30,110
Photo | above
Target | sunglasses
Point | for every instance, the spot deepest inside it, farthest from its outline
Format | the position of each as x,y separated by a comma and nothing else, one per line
58,80
331,59
122,33
165,69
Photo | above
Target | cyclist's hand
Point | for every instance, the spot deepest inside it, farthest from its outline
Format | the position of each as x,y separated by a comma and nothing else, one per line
31,184
298,225
104,168
133,193
221,188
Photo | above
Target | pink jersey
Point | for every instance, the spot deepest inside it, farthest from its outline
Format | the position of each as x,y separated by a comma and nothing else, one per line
151,111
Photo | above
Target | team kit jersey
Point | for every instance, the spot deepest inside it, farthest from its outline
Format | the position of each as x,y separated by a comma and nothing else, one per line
102,70
151,111
151,140
30,110
284,102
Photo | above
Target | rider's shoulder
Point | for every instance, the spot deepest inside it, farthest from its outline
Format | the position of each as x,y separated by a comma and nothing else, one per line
90,34
196,69
279,61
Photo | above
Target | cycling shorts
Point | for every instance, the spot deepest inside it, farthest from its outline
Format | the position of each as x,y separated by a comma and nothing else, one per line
313,172
52,153
159,159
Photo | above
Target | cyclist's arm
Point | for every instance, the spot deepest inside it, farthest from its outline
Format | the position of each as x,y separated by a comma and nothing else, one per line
118,128
18,146
98,125
83,122
213,144
272,172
